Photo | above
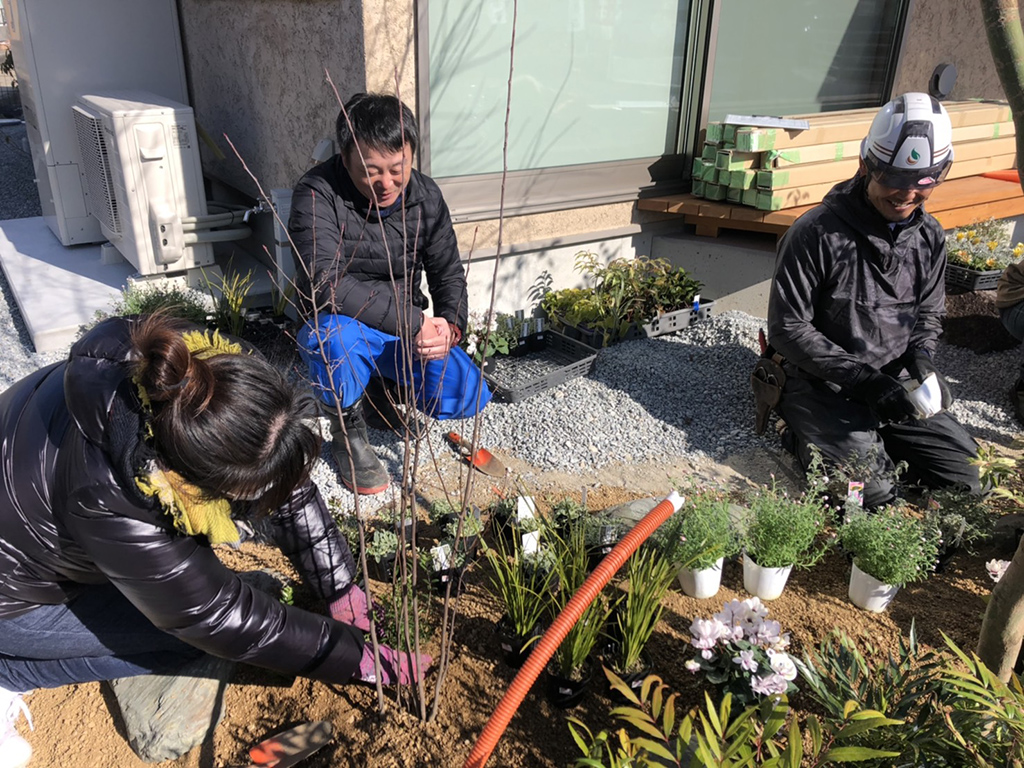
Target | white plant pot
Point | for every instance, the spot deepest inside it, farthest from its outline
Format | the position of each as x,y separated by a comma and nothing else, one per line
701,583
765,583
869,593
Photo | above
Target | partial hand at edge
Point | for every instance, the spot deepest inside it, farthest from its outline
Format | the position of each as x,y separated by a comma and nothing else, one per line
884,395
350,606
395,667
434,339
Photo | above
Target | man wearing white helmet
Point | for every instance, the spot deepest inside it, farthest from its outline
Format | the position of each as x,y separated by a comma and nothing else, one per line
855,311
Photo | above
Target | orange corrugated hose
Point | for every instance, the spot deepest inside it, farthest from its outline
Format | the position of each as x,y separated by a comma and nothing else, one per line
560,627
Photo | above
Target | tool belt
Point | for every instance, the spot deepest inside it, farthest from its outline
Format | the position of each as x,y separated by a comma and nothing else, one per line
767,381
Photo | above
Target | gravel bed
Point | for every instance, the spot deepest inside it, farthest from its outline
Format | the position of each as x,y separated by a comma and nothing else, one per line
684,395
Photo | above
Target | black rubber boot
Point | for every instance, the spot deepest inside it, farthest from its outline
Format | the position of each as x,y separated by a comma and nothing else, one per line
386,411
352,450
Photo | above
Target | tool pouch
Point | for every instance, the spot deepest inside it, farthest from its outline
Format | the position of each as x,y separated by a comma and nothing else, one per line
767,381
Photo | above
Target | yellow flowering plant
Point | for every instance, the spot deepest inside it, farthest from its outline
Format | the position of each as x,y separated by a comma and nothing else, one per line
982,246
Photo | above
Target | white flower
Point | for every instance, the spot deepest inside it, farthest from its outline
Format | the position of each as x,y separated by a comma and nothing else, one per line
783,666
996,568
692,666
708,654
769,685
705,633
767,633
746,661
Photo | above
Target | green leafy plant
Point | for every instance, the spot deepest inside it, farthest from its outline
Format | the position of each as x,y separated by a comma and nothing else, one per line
170,298
521,583
228,294
983,246
287,595
566,512
890,545
718,736
701,532
570,566
382,544
648,576
903,687
780,531
962,519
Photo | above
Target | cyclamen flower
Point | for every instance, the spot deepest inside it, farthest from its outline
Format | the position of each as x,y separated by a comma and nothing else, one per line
705,633
996,568
783,666
768,685
692,666
746,661
768,633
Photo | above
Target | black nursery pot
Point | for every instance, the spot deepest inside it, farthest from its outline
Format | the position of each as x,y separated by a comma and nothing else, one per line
383,569
440,580
607,537
516,648
564,693
633,679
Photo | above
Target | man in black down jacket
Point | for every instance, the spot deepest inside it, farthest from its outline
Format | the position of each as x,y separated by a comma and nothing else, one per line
367,227
855,311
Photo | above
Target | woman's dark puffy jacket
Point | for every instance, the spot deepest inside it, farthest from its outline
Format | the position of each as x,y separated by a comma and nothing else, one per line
66,520
367,267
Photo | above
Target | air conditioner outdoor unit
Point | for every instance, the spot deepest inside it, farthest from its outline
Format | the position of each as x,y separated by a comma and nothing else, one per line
143,177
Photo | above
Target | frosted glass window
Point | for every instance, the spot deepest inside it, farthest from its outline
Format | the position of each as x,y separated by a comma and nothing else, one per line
801,56
594,81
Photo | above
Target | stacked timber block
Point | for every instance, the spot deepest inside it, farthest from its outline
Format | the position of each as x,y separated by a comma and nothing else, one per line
771,169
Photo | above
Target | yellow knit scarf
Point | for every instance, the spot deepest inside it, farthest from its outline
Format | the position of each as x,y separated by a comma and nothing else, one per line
192,513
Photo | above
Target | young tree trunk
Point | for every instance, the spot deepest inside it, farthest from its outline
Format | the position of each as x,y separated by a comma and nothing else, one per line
1006,40
1003,628
1002,631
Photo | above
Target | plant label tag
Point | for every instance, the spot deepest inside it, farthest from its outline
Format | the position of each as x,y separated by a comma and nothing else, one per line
696,302
442,555
531,542
855,493
526,508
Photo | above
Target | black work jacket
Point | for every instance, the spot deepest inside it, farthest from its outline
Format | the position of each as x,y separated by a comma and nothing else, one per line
67,521
847,293
350,261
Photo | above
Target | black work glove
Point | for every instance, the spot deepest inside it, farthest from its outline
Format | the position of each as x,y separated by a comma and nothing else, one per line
919,364
884,395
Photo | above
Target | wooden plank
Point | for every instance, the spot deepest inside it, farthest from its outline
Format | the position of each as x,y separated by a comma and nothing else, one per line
773,200
973,150
961,113
812,173
975,190
711,227
999,209
670,204
828,131
817,153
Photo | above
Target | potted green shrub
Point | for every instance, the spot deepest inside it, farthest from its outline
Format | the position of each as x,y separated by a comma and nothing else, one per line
522,584
648,576
890,549
701,536
383,551
780,533
571,670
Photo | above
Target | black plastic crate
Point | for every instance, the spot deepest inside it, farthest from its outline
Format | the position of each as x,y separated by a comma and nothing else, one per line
972,279
563,359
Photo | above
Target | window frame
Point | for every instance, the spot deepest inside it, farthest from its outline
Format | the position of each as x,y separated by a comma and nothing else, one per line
479,197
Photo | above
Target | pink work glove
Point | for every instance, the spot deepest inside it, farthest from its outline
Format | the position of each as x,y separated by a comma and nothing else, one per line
390,661
350,607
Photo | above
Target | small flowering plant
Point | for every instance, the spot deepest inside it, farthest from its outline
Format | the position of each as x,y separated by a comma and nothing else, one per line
743,652
781,531
500,331
996,569
891,546
982,246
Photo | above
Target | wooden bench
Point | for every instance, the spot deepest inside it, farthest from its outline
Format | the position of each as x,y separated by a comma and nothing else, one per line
954,203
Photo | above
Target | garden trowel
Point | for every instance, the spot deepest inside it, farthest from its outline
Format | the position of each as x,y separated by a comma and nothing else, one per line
290,747
481,458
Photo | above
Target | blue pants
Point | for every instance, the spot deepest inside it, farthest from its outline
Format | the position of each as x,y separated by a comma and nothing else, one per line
343,354
98,635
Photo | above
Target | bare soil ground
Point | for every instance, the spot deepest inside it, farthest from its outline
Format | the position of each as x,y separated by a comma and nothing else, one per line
78,726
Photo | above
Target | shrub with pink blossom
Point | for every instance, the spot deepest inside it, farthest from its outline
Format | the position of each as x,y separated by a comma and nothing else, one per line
743,652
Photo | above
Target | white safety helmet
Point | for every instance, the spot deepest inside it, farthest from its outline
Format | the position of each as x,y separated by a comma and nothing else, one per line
910,144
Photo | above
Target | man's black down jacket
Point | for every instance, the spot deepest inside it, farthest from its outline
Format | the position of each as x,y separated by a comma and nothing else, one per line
360,265
66,521
847,293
